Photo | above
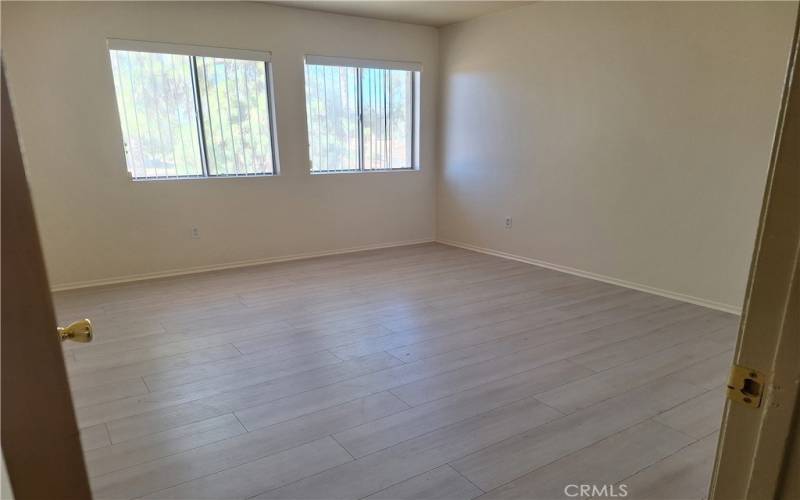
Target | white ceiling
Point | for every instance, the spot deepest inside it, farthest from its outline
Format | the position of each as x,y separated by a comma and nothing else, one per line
432,13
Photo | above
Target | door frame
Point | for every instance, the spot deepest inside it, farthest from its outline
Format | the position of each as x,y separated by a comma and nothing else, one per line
755,443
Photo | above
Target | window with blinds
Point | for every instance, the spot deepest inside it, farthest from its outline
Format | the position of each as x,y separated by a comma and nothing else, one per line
193,112
362,115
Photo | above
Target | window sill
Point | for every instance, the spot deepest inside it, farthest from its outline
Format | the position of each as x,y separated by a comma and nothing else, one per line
382,171
199,177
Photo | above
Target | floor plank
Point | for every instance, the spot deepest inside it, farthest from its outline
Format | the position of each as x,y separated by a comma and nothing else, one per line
154,446
382,433
523,453
441,483
156,475
127,419
606,462
249,479
379,470
699,416
685,474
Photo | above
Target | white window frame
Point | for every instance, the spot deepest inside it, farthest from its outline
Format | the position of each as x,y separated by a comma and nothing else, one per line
416,98
204,51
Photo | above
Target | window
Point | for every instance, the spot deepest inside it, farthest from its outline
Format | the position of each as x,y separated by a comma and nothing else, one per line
188,111
362,114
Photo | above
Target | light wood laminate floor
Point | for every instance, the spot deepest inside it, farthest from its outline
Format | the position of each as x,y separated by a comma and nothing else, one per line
423,371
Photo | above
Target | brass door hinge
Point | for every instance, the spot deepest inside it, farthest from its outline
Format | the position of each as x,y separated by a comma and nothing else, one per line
746,386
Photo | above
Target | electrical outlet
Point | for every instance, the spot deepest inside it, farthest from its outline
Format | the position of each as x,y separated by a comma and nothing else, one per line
508,222
195,232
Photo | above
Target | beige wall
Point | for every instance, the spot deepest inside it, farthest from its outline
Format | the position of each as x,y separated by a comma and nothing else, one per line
629,140
96,224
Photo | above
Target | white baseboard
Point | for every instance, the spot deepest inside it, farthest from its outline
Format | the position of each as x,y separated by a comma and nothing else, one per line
309,255
720,306
230,265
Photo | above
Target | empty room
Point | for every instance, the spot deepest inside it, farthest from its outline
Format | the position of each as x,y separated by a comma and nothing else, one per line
400,250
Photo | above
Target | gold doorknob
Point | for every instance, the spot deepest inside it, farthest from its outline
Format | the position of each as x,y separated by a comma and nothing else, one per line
79,331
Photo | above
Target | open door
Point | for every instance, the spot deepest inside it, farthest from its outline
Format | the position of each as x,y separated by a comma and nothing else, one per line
40,438
757,456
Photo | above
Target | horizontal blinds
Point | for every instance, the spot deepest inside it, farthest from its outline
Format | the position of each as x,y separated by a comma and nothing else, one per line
188,50
362,63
